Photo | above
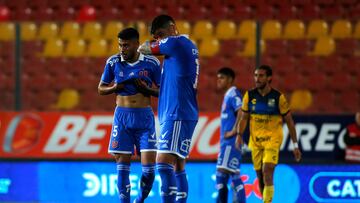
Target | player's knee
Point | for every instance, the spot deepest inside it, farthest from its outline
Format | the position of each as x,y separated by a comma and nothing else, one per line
122,158
166,158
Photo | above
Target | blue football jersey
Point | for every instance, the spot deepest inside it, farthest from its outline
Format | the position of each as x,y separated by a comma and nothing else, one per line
231,104
179,78
118,70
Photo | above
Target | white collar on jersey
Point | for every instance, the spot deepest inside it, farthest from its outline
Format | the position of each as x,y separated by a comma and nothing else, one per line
229,90
141,58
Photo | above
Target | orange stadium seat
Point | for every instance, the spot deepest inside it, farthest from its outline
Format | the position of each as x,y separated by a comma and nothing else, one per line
341,29
225,29
247,29
53,48
7,31
202,29
75,48
70,30
68,99
357,30
97,48
250,48
271,29
316,29
324,46
300,100
28,31
91,31
48,30
183,27
294,29
112,29
209,47
113,47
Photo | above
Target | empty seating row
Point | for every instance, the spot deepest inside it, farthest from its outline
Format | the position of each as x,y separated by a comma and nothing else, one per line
224,29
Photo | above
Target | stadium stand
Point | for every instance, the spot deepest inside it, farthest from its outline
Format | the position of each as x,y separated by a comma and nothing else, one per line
312,44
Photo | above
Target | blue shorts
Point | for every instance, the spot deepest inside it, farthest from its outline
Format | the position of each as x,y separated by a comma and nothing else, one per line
229,156
132,127
175,137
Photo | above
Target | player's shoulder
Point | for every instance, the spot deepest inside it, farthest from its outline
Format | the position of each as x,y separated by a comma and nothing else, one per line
276,92
113,59
233,92
152,59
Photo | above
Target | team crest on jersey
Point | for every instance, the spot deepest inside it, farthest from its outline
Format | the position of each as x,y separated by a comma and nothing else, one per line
185,145
121,74
114,144
253,101
271,102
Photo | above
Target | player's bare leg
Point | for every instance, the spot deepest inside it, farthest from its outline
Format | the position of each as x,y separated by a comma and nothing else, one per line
259,174
148,175
123,169
268,172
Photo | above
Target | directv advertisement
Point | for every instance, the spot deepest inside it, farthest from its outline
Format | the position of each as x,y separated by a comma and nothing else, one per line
72,182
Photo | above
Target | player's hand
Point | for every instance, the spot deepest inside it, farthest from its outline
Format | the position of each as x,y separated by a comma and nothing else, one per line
144,48
297,154
142,87
230,134
239,142
118,86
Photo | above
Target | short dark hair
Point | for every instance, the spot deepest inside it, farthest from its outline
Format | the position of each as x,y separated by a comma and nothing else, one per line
128,34
227,71
267,69
161,21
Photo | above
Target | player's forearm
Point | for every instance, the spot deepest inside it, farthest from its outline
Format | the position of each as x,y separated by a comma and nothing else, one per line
238,116
292,131
242,123
149,48
106,90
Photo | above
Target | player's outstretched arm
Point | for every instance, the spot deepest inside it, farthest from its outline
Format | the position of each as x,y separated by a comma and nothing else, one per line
290,124
105,89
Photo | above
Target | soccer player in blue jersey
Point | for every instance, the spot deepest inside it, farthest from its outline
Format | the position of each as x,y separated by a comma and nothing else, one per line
229,157
177,109
131,76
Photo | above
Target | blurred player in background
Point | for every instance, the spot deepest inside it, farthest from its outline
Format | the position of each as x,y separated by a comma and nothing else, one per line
352,140
130,76
177,109
266,108
228,163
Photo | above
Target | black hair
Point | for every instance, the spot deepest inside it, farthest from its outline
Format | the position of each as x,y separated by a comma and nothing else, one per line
227,71
128,34
267,69
161,21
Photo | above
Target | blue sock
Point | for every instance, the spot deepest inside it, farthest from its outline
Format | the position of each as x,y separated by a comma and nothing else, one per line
168,182
182,187
239,188
123,183
221,185
146,182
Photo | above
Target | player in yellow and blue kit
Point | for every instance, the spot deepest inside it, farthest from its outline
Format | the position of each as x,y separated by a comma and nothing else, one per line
130,76
177,109
229,157
266,108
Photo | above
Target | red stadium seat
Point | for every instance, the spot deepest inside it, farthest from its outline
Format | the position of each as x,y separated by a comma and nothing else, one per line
324,101
308,65
316,82
352,65
330,64
286,12
264,12
309,12
276,47
349,100
292,82
4,13
299,48
339,82
333,13
285,64
346,47
241,12
229,47
324,2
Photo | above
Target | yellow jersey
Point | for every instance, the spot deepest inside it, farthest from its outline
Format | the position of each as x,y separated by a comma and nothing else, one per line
266,120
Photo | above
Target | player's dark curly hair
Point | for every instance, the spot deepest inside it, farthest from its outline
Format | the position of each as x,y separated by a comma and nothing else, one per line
267,69
128,34
161,21
227,71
